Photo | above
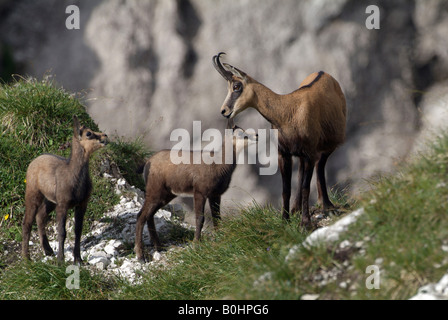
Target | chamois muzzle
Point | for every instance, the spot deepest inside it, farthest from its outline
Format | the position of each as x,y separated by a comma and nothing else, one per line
226,112
103,139
219,67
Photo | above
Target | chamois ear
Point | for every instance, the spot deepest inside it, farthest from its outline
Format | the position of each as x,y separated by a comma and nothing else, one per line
76,129
235,71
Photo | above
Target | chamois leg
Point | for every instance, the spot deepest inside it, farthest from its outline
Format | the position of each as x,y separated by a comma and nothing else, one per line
61,218
297,207
322,184
166,198
199,204
32,203
80,210
285,164
215,203
308,170
146,215
42,218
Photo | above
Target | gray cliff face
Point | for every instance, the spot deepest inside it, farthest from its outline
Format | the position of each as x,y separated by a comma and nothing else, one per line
145,67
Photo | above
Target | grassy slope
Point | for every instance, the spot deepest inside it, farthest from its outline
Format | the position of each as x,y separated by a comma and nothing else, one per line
37,117
402,231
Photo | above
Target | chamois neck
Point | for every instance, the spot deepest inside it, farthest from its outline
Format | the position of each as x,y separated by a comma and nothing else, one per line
78,156
270,104
228,165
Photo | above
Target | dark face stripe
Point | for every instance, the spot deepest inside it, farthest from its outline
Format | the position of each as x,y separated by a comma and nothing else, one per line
234,96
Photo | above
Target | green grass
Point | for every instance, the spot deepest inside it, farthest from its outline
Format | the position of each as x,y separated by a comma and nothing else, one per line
224,263
48,281
407,222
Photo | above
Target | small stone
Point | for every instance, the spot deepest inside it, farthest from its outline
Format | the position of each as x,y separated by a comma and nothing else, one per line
442,285
129,205
156,256
345,244
343,285
309,297
100,262
110,250
379,261
359,244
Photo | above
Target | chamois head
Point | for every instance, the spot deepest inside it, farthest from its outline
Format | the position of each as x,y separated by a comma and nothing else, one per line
240,95
241,137
88,139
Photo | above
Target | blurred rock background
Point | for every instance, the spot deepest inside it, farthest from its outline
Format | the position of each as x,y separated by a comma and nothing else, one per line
144,68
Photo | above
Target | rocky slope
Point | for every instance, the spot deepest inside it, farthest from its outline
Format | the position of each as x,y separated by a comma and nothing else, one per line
145,67
110,243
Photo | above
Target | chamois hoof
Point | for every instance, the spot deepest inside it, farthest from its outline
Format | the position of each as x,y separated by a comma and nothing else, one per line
49,253
142,260
78,262
308,225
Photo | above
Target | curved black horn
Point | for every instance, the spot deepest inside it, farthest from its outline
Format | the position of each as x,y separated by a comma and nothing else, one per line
218,66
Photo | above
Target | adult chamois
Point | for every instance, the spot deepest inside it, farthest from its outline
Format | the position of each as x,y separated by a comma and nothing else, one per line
310,121
57,183
165,180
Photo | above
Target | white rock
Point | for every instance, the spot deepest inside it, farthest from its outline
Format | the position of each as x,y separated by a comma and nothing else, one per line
345,244
359,244
331,233
110,250
96,260
309,297
438,291
163,214
292,252
156,256
442,285
265,277
129,205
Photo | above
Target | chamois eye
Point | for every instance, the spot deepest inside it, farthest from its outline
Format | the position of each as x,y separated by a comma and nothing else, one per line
237,86
88,134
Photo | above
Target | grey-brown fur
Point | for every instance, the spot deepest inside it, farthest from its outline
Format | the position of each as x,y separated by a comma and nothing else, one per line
56,183
166,180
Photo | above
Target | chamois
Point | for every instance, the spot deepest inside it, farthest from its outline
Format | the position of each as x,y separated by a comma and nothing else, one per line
57,183
310,121
166,180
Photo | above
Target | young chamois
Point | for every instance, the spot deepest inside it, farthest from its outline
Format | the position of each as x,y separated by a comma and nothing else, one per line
310,121
166,180
56,183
